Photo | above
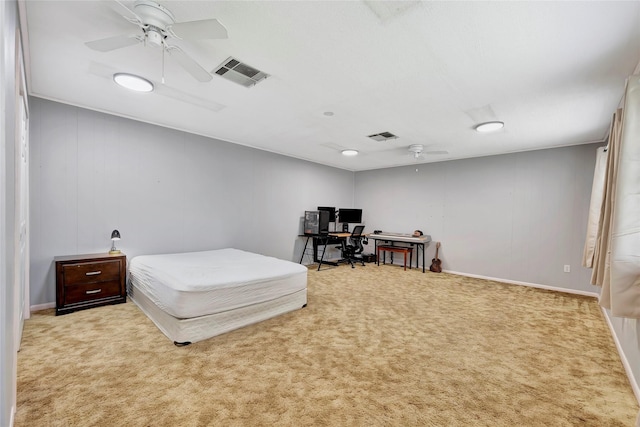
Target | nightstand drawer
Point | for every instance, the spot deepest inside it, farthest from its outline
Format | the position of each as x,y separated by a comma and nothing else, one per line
91,291
91,272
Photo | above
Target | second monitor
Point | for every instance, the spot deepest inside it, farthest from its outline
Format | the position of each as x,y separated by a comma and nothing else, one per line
351,216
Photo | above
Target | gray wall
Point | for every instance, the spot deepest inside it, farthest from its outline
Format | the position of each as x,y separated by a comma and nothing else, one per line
518,217
164,190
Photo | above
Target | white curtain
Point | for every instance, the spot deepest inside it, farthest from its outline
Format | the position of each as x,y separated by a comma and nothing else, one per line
616,243
597,196
625,233
601,266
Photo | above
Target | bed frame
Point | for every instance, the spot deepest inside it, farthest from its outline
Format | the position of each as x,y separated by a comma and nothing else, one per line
186,331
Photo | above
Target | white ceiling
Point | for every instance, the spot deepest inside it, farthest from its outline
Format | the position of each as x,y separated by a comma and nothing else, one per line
427,72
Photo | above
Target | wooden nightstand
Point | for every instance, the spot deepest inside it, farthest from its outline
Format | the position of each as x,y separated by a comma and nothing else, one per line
86,281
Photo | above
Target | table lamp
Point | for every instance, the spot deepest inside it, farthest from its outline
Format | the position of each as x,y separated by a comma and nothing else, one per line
115,235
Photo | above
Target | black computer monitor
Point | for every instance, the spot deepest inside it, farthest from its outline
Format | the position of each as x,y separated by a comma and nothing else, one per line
352,216
331,210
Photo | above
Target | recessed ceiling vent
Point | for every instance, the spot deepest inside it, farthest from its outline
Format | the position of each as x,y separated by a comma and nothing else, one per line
237,72
383,136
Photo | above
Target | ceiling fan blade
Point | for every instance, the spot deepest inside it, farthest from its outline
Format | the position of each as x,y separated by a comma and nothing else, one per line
169,92
189,64
106,72
131,12
112,43
199,30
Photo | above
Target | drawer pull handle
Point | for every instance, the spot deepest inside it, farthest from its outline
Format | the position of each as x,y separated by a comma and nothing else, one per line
95,291
93,273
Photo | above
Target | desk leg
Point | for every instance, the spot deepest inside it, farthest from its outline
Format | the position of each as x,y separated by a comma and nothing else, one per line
315,249
411,257
304,250
423,262
323,252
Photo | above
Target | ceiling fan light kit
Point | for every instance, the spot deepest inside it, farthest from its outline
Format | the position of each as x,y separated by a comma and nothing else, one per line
489,126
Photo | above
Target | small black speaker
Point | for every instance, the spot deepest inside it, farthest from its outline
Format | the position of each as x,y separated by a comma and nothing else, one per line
345,227
369,257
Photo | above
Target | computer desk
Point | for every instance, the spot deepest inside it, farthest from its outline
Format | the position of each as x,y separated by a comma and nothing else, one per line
393,238
323,239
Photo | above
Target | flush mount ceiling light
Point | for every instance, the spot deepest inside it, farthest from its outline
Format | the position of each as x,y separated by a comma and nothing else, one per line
349,152
133,82
489,126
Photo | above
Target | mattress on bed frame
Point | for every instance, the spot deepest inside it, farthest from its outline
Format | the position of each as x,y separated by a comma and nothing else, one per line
194,284
196,329
197,295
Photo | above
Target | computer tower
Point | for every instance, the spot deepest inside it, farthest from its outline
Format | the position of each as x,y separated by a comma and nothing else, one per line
316,222
311,222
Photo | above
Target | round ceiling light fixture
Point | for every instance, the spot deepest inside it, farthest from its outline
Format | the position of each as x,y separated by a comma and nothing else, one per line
133,82
349,152
489,126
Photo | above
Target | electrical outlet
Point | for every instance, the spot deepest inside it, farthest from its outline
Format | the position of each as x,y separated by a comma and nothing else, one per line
567,268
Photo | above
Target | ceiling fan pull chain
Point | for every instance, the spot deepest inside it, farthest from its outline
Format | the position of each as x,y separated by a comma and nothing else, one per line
163,48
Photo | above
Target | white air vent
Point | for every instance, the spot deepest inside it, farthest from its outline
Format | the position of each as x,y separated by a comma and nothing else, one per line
383,136
237,72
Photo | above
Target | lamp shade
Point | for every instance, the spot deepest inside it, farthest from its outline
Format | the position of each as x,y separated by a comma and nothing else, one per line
115,235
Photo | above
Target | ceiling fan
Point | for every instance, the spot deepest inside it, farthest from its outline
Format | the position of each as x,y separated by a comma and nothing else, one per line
157,25
418,151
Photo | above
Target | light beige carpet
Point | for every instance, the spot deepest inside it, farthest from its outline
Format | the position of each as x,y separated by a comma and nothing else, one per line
376,346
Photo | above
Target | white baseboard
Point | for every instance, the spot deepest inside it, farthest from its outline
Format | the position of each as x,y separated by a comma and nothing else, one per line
625,362
531,285
44,306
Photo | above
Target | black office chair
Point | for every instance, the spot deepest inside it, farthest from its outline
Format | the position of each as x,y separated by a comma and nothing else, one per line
352,251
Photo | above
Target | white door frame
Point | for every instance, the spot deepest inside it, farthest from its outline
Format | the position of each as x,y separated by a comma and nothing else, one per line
21,259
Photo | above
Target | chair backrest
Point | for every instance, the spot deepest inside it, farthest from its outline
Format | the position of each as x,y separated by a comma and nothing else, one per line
357,231
355,240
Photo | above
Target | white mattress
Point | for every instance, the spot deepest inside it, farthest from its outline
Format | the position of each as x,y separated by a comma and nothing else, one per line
194,284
